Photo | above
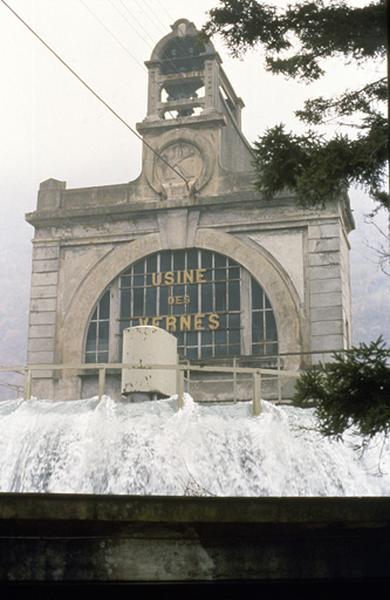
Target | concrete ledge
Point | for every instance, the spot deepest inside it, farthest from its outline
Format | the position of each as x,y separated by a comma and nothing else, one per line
105,210
151,538
191,509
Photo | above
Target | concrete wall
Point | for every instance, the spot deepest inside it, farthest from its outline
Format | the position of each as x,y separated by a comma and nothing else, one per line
75,538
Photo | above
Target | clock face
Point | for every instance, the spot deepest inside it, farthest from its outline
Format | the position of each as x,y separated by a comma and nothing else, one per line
185,158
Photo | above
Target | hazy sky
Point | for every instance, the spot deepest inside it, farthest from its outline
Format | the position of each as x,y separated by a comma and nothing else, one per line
50,126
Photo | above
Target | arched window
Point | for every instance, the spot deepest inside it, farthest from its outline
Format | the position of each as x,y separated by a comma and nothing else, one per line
264,334
208,301
97,342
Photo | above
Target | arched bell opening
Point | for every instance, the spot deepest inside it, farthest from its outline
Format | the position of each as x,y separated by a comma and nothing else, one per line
183,54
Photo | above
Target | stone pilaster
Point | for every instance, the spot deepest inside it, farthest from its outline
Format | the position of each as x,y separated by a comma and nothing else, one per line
325,287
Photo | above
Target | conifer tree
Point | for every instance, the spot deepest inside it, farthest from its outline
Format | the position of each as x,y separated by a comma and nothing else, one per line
353,390
297,40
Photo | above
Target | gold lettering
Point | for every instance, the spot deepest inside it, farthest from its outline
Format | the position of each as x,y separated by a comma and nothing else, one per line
169,278
213,321
198,326
178,300
200,275
188,276
170,323
179,277
185,323
156,278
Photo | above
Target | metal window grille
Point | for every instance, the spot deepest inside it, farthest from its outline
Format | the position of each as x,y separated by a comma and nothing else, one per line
197,296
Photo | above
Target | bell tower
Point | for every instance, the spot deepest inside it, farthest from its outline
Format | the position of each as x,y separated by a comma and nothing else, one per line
193,118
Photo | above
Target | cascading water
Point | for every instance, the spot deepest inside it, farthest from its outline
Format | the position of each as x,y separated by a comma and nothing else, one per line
108,447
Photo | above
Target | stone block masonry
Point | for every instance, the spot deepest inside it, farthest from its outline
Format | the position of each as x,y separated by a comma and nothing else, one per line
326,286
43,307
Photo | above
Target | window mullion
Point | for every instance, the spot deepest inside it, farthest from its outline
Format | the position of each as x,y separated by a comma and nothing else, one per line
246,312
114,339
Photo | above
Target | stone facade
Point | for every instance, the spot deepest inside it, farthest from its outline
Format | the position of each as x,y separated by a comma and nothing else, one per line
85,238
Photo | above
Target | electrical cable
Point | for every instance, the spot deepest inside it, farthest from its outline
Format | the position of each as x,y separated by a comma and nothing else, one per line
165,10
108,30
142,37
174,40
137,21
113,35
64,63
150,44
150,15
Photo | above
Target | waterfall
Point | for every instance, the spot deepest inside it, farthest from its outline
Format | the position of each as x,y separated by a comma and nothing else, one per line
107,447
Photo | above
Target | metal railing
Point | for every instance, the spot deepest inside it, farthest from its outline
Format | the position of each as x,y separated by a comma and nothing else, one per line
255,373
237,369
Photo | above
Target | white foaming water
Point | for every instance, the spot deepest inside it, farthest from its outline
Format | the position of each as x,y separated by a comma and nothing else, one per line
108,447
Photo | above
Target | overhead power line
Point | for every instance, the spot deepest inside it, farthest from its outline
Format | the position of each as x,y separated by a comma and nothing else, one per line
138,22
136,30
151,16
117,40
166,11
135,59
85,84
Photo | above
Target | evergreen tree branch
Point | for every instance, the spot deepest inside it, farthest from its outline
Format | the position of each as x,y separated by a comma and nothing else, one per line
317,169
296,41
320,29
317,110
351,391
